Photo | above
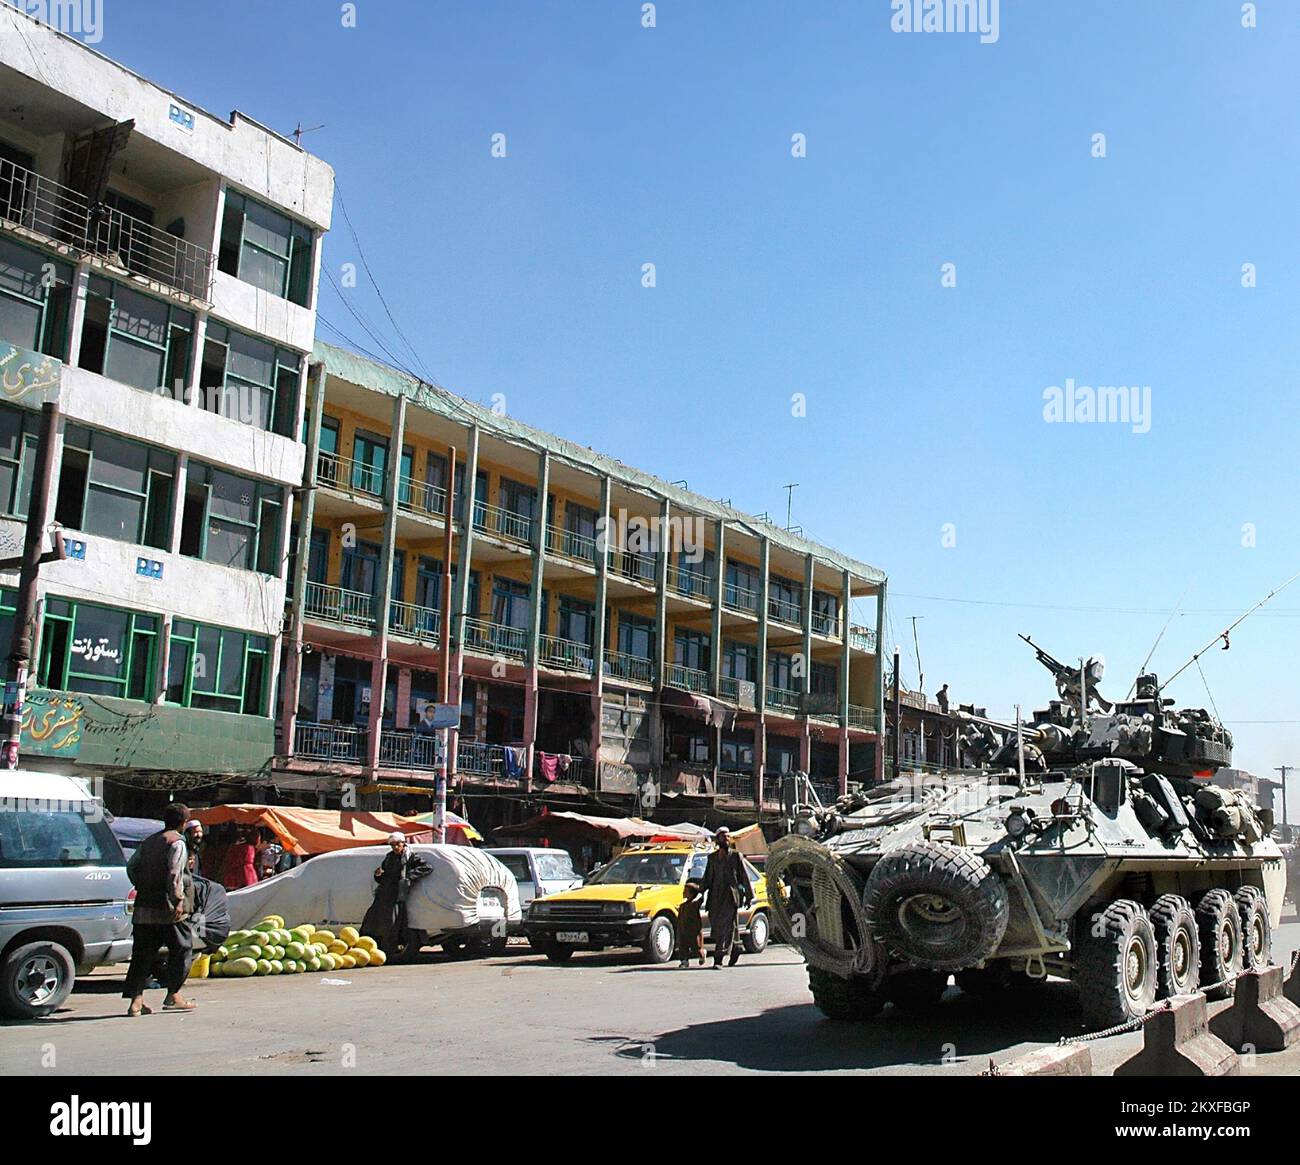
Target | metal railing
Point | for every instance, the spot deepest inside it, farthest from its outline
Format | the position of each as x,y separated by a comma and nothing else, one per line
337,742
689,679
865,718
826,788
349,475
568,544
728,687
337,605
488,760
486,638
825,624
633,565
565,654
736,598
419,497
402,748
737,785
692,584
636,668
784,611
412,621
505,523
578,771
862,638
782,699
43,206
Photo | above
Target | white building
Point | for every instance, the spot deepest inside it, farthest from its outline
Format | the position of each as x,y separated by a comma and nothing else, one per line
165,261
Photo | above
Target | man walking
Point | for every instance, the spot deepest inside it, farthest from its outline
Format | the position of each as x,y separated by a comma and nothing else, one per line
725,889
158,871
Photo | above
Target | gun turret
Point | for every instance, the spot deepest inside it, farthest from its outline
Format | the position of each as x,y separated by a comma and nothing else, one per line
1068,679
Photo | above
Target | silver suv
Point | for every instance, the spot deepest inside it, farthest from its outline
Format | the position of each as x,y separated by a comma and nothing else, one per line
65,899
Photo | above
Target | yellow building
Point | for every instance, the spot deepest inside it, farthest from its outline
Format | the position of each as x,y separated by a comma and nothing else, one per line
628,640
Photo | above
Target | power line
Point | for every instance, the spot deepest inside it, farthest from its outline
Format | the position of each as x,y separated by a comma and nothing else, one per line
1086,609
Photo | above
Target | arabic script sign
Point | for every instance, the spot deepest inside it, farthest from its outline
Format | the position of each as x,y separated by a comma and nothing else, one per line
28,378
52,724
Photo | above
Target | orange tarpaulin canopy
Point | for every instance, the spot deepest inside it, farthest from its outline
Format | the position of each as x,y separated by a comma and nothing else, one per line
317,831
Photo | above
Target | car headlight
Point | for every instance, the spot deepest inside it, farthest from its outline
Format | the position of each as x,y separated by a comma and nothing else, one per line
619,909
539,910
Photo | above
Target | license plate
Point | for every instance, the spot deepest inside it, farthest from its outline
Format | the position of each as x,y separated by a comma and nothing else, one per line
571,936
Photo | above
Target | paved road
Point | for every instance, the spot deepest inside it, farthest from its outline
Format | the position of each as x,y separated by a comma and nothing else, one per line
519,1014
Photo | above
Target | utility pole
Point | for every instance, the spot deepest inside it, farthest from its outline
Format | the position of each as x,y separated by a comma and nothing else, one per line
789,488
898,717
444,645
916,645
20,643
1284,769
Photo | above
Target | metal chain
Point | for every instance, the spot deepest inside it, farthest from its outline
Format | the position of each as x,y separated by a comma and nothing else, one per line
1140,1021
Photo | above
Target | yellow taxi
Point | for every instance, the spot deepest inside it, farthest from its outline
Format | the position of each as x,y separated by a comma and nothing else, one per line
633,902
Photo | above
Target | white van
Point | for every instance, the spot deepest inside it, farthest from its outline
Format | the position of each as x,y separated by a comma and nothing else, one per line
65,899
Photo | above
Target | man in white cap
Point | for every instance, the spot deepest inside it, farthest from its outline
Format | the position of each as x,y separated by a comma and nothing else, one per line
725,888
386,918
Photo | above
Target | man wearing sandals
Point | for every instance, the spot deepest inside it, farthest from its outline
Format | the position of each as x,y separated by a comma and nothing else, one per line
157,869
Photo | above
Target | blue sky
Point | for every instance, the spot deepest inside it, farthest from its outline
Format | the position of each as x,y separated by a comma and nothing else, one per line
821,275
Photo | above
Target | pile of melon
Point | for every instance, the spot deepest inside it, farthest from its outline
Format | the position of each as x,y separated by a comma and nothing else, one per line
272,949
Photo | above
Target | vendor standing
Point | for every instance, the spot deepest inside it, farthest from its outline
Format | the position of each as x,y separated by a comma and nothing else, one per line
726,889
385,921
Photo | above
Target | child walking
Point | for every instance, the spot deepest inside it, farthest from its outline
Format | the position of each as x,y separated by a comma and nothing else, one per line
690,927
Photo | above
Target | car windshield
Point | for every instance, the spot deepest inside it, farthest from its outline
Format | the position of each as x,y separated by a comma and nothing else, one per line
654,869
32,840
556,868
517,864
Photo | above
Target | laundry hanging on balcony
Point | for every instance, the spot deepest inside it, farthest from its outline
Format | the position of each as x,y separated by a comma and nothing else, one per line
553,766
515,761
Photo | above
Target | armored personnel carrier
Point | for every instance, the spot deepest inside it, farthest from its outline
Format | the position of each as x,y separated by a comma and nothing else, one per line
1091,846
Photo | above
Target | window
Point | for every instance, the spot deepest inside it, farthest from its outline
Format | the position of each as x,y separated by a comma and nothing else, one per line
231,520
518,499
265,248
35,296
249,380
784,599
742,586
213,667
737,754
359,568
38,839
740,660
691,649
577,620
510,601
136,340
115,488
370,463
780,670
99,650
825,679
636,636
20,431
826,610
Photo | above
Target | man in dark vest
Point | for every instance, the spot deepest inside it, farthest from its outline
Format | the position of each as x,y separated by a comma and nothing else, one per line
726,889
161,916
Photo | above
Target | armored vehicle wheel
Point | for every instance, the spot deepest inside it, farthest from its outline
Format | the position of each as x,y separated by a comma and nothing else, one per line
1115,966
1256,931
1220,926
1178,946
937,906
846,999
915,991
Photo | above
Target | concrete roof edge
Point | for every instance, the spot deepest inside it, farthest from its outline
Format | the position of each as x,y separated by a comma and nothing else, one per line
378,377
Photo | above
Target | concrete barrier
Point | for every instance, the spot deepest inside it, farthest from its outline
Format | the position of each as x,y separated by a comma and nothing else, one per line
1291,988
1177,1041
1261,1018
1064,1060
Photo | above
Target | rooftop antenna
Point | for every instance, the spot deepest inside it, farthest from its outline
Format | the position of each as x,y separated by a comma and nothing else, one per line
789,500
300,129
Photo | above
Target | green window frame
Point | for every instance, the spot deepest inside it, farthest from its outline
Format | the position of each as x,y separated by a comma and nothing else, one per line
20,433
35,300
136,339
98,650
116,488
217,668
250,380
266,248
232,520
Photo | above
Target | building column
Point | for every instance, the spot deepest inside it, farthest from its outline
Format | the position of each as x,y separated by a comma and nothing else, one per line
298,584
460,600
879,686
661,592
760,686
715,643
77,314
843,741
600,631
379,670
535,628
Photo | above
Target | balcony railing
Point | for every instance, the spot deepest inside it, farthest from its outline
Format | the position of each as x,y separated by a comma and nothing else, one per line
864,718
403,749
826,788
487,638
635,668
633,565
349,475
412,621
486,760
568,544
728,687
737,785
736,598
43,206
826,624
577,771
783,699
784,611
505,523
565,654
862,638
336,605
689,679
419,497
344,743
691,584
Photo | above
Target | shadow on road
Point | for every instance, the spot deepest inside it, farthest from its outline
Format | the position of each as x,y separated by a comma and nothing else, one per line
799,1038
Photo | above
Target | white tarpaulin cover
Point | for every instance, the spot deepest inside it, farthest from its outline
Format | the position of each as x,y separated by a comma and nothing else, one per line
467,886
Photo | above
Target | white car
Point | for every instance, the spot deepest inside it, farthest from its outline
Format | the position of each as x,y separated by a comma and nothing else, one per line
538,872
